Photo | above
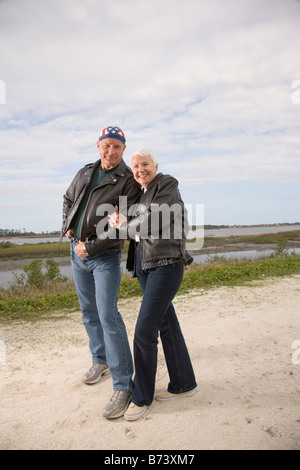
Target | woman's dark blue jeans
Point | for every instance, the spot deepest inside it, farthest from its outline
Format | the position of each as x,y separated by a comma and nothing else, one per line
157,315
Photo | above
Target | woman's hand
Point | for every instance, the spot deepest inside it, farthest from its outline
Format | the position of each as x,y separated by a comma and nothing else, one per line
115,219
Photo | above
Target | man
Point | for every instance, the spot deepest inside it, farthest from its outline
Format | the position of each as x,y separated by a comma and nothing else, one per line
96,263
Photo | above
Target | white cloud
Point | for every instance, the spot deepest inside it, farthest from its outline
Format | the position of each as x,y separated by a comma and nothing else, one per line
207,85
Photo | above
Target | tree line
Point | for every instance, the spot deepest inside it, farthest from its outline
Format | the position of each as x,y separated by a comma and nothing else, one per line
11,232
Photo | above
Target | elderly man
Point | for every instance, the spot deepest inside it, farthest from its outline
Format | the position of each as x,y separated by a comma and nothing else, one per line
96,263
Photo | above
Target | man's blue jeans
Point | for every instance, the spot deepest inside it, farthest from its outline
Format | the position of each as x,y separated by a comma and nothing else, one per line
97,280
157,314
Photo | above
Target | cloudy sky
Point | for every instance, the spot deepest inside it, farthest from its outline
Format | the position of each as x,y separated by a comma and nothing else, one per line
213,87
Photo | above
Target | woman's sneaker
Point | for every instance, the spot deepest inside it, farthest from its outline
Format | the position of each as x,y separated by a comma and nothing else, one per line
165,395
95,373
134,412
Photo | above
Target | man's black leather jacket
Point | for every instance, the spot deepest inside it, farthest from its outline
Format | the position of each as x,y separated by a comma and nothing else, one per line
119,182
160,222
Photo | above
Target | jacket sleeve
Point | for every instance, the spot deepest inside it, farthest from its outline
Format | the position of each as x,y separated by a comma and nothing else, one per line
70,198
67,204
167,209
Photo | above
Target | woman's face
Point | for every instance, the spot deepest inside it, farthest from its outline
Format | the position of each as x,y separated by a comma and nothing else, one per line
143,169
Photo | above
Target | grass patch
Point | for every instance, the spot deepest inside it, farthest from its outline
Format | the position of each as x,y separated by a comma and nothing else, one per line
41,307
232,273
10,250
30,303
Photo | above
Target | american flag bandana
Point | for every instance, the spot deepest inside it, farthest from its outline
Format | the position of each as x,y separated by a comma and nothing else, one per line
113,133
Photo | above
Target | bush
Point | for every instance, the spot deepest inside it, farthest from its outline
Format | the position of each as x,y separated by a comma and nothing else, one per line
33,275
6,245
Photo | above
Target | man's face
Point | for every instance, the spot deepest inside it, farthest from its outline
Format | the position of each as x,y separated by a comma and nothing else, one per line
111,153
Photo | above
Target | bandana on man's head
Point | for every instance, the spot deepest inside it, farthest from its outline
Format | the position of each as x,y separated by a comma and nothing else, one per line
113,133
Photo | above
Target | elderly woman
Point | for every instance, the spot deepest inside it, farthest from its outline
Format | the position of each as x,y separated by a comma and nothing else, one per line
157,256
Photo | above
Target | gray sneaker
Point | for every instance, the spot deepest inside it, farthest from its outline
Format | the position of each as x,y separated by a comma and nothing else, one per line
117,405
95,373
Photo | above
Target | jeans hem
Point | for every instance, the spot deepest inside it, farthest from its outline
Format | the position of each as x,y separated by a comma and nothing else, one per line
182,391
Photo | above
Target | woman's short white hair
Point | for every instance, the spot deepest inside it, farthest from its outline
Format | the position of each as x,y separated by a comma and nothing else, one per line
146,153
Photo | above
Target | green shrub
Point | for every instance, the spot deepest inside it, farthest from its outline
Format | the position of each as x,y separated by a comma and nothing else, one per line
33,275
6,245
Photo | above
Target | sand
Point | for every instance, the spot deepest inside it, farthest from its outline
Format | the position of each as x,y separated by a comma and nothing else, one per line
245,347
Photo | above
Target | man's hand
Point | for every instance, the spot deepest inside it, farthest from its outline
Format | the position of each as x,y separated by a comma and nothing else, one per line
80,251
69,233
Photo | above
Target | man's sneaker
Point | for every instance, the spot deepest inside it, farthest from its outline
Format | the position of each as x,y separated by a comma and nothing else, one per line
134,412
95,373
166,396
117,405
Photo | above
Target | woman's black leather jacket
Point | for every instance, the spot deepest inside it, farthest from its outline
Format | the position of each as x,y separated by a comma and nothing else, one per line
160,224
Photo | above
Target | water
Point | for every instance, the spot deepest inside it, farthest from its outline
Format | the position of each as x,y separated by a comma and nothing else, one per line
7,277
241,255
32,241
197,233
245,230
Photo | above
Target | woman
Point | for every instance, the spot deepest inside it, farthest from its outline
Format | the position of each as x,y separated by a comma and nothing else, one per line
157,256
